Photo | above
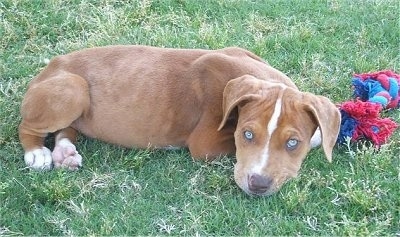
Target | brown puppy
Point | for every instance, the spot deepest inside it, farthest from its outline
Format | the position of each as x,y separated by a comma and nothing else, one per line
214,102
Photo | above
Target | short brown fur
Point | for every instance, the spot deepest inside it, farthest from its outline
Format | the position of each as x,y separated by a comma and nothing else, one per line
140,96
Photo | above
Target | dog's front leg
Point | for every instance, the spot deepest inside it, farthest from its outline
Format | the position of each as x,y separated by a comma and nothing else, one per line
207,143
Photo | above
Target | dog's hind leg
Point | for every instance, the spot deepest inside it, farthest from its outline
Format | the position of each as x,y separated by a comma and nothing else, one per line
49,106
65,154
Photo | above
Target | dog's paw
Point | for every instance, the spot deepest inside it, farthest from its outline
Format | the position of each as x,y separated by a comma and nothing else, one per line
316,138
39,159
65,155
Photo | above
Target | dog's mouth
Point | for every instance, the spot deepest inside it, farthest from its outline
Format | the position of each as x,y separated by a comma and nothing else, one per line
255,188
259,193
256,183
259,185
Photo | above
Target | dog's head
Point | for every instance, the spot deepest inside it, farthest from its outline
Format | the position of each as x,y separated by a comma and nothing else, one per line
274,129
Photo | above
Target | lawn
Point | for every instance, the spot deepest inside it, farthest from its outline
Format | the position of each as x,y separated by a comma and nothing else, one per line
119,191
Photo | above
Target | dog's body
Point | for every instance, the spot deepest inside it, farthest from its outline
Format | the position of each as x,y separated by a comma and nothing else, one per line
213,102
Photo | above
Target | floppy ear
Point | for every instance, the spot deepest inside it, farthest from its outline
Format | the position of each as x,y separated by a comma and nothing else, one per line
328,118
238,91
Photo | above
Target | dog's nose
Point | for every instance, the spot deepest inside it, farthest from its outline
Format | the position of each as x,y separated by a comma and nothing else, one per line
259,183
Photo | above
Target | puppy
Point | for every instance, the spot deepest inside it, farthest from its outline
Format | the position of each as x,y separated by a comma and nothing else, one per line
215,102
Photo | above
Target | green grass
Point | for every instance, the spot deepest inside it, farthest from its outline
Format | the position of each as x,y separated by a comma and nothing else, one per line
319,44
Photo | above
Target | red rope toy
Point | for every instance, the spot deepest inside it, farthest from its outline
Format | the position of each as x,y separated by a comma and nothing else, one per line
361,118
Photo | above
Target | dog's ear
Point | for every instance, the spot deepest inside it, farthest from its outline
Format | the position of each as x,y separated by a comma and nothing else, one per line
328,118
237,92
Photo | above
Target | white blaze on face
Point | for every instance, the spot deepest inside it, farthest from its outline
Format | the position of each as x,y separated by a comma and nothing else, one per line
272,125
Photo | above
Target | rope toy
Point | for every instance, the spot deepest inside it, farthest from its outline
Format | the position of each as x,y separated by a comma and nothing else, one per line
361,119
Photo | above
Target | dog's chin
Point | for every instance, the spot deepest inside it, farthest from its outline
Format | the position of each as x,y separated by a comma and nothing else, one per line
263,194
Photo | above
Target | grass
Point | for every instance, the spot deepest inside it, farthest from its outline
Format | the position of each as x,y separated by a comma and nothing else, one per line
319,44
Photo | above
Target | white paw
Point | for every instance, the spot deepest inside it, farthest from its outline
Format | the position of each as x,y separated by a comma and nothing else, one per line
316,138
65,155
39,159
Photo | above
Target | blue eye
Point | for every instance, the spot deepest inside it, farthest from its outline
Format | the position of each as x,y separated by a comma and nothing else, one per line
291,144
248,135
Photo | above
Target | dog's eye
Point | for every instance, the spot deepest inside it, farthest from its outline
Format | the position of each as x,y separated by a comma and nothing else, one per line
292,144
248,135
